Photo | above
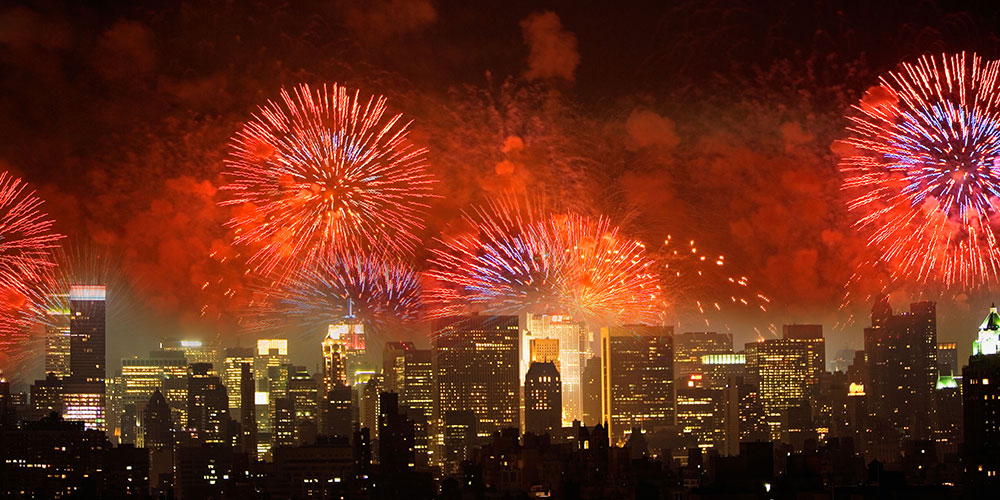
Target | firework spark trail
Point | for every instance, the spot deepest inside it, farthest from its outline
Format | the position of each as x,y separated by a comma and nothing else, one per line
324,173
83,265
518,259
381,290
924,175
699,281
26,257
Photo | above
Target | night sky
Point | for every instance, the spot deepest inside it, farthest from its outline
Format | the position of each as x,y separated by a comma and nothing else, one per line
712,121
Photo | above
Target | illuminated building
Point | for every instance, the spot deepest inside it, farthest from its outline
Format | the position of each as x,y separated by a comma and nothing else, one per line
85,392
542,399
270,353
46,395
394,364
141,377
637,379
550,333
947,357
689,347
344,351
788,370
304,393
232,375
700,412
369,400
901,351
284,423
195,351
719,369
981,409
208,406
57,348
477,369
592,393
416,394
248,409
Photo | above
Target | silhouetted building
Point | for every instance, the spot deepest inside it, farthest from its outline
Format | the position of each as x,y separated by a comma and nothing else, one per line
46,395
565,342
248,409
592,392
981,398
335,415
284,422
159,438
396,437
542,399
637,379
902,373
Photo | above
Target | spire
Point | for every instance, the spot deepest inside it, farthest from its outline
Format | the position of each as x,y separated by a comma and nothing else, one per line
992,321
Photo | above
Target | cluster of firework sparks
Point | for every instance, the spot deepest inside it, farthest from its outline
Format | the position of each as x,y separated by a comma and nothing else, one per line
329,196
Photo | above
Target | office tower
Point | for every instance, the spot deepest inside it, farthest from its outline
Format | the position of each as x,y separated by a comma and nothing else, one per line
334,362
981,408
394,364
592,393
544,351
476,359
196,351
208,406
948,414
284,422
46,395
542,399
788,370
689,347
142,376
270,353
417,395
396,436
248,409
717,370
335,414
700,412
232,376
84,396
550,333
304,393
902,372
947,356
461,435
369,400
57,347
637,379
158,438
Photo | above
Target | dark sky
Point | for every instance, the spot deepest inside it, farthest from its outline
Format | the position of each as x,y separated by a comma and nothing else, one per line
710,121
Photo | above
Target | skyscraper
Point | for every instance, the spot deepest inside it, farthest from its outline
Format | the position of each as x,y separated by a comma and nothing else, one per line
789,371
542,398
592,393
270,353
394,364
947,356
476,360
57,346
84,393
571,338
981,407
902,366
689,347
345,350
208,406
232,376
248,409
637,378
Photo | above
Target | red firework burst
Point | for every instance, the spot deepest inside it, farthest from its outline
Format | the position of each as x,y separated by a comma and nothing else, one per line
517,259
924,172
26,256
321,173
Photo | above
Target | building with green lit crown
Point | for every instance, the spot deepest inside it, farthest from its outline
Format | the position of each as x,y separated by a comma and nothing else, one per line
981,407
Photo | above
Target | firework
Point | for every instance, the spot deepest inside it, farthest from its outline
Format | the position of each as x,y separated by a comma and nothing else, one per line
83,265
374,289
700,283
26,257
517,259
923,176
324,173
